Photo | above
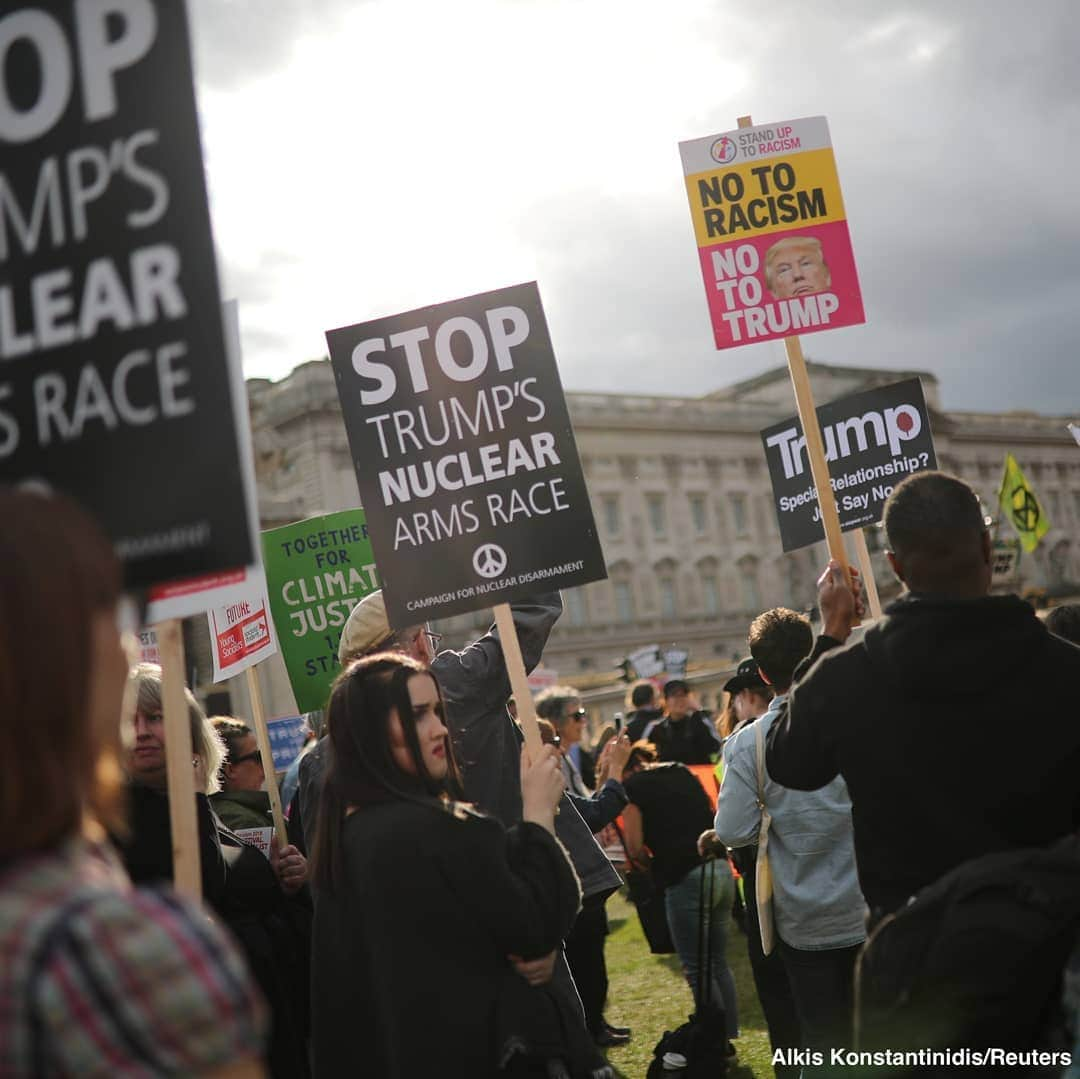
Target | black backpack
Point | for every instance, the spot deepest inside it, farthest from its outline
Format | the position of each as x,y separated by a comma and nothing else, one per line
975,959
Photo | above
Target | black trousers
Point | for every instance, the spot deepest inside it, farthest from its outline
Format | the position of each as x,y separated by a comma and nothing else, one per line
770,974
823,984
585,954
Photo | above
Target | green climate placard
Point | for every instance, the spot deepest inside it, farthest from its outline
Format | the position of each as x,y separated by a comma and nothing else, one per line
316,572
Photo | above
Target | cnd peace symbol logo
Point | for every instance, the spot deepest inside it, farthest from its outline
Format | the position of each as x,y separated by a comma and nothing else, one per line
1024,508
489,560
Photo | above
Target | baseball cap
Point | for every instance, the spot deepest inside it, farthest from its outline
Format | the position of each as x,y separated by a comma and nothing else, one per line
676,685
746,676
366,627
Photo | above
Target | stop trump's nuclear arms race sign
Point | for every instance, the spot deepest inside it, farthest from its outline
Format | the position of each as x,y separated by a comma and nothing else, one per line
771,232
113,379
465,457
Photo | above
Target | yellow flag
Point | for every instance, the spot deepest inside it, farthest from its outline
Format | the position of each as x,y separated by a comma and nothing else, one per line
1020,506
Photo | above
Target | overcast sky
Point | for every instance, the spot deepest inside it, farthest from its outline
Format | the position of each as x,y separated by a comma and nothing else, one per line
370,156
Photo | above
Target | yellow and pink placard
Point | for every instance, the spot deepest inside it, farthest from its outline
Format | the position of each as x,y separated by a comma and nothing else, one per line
771,232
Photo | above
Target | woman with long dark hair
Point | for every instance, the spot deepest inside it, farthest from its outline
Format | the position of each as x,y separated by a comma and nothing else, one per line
421,901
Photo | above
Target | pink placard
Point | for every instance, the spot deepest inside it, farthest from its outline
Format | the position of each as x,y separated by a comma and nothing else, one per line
769,287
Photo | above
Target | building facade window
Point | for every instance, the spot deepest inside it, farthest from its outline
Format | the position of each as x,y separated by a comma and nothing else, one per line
657,515
697,515
612,514
577,611
624,602
749,586
739,516
668,602
794,583
710,595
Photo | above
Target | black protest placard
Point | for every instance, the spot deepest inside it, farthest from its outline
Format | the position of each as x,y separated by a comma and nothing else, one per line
465,458
113,378
872,441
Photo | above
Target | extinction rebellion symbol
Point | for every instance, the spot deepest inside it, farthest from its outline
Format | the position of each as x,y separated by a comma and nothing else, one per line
1025,509
489,560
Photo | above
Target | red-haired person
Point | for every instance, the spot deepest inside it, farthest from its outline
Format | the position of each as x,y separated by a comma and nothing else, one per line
97,978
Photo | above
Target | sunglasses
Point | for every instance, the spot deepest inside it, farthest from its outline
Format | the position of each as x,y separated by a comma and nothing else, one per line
256,756
579,715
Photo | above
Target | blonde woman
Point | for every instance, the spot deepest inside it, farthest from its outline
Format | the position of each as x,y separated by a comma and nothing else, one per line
262,902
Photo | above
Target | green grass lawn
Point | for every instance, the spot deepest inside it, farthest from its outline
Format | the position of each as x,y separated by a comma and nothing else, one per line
648,993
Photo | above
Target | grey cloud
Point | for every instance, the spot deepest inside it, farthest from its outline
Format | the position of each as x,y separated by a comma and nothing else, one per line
236,40
257,338
251,285
958,173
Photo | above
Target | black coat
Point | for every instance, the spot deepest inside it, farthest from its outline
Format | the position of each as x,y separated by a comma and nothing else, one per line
952,723
691,740
272,929
637,721
409,954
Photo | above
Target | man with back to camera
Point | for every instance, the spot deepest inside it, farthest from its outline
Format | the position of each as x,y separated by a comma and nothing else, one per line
750,696
644,711
750,699
795,266
817,906
686,733
917,714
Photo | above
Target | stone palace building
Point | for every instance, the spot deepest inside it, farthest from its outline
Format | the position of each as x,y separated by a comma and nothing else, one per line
683,505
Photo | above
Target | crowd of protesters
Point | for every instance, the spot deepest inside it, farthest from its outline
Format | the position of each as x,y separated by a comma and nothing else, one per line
439,908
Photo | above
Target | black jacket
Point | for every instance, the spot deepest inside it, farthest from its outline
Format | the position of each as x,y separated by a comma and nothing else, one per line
692,740
272,929
409,950
953,724
637,721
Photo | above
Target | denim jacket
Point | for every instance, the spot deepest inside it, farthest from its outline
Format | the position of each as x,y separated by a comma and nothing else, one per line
817,903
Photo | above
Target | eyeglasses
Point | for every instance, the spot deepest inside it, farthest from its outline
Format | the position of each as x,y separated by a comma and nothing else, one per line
256,757
581,715
434,639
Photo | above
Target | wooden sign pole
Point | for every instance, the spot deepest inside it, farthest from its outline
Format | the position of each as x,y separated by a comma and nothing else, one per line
815,449
866,568
180,773
262,737
519,683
